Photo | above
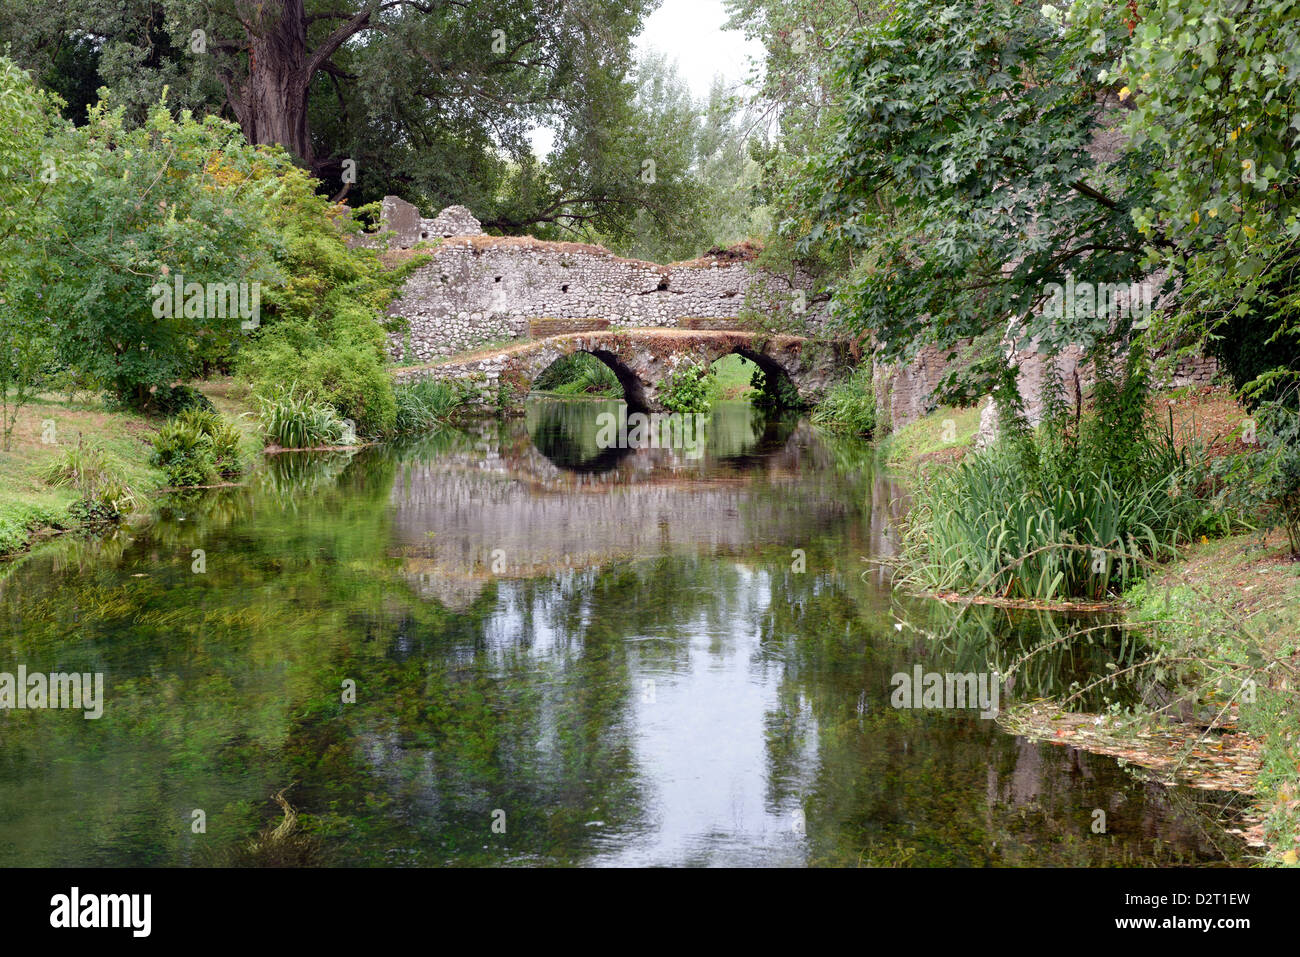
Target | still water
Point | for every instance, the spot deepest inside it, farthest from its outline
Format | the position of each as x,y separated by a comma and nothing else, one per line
507,646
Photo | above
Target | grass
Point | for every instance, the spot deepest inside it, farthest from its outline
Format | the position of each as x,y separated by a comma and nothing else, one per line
849,406
993,525
1234,603
579,374
428,404
942,436
30,506
86,470
732,376
299,422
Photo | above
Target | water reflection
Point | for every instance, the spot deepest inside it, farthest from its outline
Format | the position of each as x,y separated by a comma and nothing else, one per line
669,661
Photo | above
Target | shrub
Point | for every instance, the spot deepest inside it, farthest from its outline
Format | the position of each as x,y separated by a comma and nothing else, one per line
687,389
356,383
196,447
849,406
180,398
299,422
225,438
427,404
184,453
350,376
101,488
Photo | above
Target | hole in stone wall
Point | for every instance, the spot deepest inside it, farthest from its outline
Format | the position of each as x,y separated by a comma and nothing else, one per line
424,235
496,279
445,278
564,288
663,286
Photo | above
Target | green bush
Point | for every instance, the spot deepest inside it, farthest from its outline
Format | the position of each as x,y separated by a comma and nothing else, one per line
224,437
349,375
356,383
427,404
196,448
184,453
299,421
180,398
688,388
849,406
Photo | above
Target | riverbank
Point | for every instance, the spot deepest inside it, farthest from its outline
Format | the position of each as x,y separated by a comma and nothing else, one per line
32,510
1230,606
1239,599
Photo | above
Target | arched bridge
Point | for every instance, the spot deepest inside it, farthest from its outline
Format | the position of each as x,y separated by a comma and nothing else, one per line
641,358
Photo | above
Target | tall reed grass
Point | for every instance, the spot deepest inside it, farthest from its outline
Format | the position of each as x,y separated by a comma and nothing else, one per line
1078,508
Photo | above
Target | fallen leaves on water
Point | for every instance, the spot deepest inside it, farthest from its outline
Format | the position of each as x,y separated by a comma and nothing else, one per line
1217,760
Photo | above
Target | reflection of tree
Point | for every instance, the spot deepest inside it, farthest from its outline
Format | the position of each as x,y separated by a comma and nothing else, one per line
934,787
224,687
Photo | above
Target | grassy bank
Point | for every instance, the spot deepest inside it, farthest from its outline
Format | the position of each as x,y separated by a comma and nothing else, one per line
1221,615
32,508
945,435
1234,604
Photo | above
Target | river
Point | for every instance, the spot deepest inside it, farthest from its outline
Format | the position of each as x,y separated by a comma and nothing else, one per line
505,645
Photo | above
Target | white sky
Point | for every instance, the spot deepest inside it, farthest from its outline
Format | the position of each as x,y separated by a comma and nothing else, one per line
690,33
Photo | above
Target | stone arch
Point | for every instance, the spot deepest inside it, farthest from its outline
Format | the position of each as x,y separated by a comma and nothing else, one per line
775,372
634,390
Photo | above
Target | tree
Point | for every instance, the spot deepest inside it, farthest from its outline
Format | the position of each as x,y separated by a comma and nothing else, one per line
430,99
28,177
1214,91
175,205
964,175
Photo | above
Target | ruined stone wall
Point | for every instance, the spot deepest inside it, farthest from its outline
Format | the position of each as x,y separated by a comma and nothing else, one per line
906,392
482,289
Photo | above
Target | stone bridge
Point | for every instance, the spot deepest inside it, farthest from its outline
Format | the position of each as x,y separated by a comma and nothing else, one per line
641,359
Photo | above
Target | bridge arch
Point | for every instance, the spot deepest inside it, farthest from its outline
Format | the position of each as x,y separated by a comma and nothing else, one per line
639,358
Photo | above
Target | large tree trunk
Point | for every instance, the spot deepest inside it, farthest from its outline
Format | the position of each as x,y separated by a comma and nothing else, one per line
272,101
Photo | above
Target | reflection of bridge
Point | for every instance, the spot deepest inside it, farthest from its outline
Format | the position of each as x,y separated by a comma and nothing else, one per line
641,358
500,508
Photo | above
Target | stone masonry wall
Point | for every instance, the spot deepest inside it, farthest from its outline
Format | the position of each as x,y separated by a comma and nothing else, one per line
907,391
486,289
